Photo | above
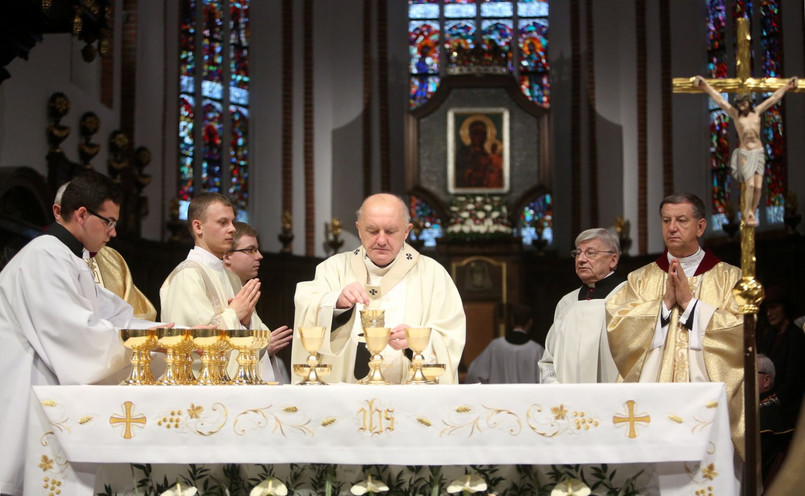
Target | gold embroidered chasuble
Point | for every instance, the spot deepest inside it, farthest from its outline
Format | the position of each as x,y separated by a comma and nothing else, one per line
116,277
632,316
416,288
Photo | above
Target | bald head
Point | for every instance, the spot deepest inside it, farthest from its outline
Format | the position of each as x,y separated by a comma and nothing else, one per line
383,225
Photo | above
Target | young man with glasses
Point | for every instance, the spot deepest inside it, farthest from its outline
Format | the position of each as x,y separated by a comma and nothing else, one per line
56,325
676,320
244,261
576,347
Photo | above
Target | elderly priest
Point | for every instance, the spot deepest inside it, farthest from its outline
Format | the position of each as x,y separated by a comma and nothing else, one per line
56,325
385,273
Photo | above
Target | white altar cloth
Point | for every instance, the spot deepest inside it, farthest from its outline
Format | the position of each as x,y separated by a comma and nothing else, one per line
686,424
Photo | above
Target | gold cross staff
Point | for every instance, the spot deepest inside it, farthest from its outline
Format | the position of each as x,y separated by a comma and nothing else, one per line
744,83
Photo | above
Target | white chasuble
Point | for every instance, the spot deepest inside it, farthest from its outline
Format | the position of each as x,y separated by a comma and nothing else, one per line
415,291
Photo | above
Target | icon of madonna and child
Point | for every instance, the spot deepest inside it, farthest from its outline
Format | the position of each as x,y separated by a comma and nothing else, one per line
480,158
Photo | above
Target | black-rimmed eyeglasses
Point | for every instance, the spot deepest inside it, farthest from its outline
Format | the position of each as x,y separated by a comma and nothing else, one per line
252,251
589,252
110,223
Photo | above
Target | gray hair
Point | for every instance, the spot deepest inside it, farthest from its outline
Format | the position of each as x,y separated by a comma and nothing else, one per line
765,365
605,235
388,196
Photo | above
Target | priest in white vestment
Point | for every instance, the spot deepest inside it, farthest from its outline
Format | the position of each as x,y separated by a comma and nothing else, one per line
676,320
576,347
56,325
510,359
243,260
200,290
384,273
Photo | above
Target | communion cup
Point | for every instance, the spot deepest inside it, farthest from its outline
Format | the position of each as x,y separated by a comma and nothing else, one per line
433,371
243,340
140,342
208,342
418,339
174,341
377,338
263,337
372,318
312,338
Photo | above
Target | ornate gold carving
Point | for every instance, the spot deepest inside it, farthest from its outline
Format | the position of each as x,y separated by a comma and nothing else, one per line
631,419
128,420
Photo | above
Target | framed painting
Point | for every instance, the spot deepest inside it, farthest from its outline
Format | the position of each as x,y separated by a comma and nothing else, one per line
478,150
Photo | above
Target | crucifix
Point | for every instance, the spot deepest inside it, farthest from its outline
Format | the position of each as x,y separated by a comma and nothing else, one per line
748,292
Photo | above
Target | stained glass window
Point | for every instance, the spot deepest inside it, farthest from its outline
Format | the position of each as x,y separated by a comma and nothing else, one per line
536,221
214,137
773,138
427,225
719,120
478,35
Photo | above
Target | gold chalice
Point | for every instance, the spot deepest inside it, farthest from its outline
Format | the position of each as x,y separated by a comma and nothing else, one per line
209,342
377,338
174,341
263,337
243,340
312,338
418,339
433,371
140,342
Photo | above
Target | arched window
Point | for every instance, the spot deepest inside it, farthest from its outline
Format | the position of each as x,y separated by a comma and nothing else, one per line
214,101
455,36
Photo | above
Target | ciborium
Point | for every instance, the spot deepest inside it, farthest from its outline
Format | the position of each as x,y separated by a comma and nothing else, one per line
174,341
312,338
418,339
208,341
140,342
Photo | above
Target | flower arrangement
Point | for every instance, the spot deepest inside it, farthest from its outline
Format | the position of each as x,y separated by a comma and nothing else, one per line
476,217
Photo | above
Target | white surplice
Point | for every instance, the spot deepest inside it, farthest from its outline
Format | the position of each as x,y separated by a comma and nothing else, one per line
197,292
507,362
56,327
576,347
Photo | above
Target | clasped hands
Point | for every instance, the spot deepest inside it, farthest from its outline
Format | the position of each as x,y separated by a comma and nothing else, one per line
356,293
677,290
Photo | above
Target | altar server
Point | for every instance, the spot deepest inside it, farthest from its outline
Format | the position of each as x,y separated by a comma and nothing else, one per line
576,347
56,325
388,274
200,290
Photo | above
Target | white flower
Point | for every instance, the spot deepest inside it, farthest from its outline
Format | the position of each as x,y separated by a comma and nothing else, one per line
471,482
178,491
368,486
269,487
571,487
481,214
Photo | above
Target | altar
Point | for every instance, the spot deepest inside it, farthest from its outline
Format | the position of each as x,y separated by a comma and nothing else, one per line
681,429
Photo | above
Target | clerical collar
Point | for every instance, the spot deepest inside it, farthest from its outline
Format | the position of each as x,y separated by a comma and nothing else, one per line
205,258
517,336
700,262
600,289
71,242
